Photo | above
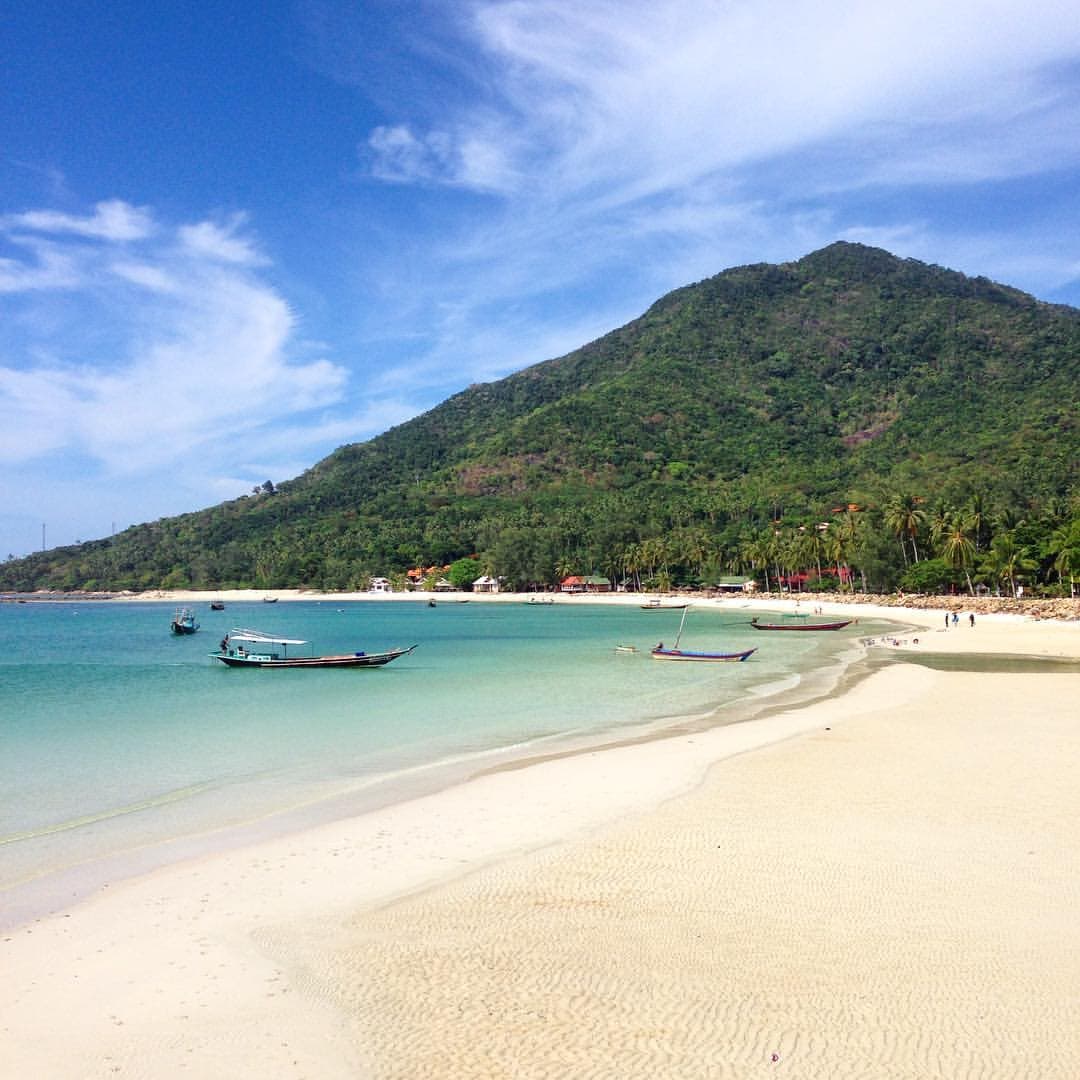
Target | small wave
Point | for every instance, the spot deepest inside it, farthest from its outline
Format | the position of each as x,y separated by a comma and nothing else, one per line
105,815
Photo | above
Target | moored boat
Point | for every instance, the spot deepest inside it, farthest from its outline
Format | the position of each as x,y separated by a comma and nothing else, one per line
676,653
253,648
660,653
183,621
794,624
217,605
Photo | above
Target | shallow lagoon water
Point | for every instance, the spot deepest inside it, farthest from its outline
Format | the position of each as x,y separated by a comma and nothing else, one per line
125,746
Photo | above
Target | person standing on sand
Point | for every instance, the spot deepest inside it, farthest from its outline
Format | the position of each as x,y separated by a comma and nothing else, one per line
971,619
946,620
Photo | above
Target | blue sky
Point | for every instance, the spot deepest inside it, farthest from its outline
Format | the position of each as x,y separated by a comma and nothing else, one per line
233,239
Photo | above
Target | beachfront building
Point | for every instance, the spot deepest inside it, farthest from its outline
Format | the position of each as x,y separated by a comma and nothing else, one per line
486,584
420,577
380,585
736,584
585,583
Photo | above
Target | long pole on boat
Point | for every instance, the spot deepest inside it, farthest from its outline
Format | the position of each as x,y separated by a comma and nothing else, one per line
682,622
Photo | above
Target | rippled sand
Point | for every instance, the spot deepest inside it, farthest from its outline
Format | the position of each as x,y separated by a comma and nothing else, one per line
894,897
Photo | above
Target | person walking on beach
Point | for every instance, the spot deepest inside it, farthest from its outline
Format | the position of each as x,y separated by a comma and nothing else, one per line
955,618
971,619
946,620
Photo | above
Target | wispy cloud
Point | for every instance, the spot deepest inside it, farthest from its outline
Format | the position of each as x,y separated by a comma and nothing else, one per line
166,340
113,220
615,100
220,242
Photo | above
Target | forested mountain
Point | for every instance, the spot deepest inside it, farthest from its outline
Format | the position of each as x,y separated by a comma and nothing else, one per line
756,404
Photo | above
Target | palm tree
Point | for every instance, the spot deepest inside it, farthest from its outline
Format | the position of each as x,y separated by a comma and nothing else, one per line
788,554
808,548
758,552
1065,547
849,535
836,552
957,545
905,516
978,520
564,567
653,554
1009,559
631,565
941,519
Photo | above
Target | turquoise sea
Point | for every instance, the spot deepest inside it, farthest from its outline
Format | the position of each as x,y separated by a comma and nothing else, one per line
126,747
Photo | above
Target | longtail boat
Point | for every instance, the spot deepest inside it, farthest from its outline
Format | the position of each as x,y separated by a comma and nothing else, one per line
252,648
675,653
660,653
799,625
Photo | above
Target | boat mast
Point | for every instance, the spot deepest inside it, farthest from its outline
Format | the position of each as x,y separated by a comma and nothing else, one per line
682,622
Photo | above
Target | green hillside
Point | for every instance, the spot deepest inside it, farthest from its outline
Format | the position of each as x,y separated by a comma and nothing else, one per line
767,394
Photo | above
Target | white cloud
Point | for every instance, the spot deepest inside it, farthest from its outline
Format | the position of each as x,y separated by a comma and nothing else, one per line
208,240
48,267
112,220
145,275
615,101
480,163
400,156
158,353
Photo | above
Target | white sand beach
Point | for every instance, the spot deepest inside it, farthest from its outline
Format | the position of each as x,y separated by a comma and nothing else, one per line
881,884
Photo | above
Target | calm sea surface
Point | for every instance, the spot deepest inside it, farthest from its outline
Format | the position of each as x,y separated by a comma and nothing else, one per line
125,747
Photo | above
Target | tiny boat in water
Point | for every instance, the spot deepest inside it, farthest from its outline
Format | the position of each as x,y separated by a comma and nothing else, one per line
252,648
183,621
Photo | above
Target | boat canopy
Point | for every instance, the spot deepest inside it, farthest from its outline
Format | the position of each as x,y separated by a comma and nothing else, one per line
257,637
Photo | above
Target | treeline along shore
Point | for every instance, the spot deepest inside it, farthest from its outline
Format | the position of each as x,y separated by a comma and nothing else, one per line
1064,609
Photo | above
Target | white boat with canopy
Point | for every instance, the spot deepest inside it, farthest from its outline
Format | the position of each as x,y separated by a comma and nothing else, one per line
253,648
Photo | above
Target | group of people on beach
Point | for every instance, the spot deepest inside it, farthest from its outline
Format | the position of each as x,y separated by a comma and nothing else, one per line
956,619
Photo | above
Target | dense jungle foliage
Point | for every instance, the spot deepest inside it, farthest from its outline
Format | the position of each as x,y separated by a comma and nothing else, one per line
848,420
